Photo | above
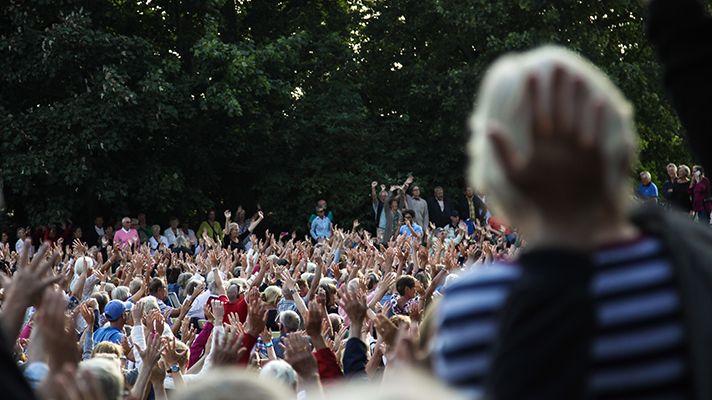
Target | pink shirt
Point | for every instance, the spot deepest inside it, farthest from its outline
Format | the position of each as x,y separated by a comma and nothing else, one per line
123,238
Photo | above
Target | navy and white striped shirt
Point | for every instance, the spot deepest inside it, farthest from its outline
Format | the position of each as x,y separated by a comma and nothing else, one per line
638,349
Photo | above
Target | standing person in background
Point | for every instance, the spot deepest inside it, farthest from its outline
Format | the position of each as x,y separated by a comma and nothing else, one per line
669,184
157,239
144,230
471,209
171,233
22,234
126,236
439,208
211,227
378,202
700,192
647,191
417,204
321,226
94,234
680,199
329,214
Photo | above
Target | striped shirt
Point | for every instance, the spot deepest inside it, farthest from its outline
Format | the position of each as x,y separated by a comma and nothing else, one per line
638,349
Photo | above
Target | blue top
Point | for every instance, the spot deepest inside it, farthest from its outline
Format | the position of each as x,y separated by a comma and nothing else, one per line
108,334
640,334
648,192
320,228
417,228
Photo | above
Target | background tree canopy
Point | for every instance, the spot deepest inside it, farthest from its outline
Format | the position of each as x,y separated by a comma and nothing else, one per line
171,107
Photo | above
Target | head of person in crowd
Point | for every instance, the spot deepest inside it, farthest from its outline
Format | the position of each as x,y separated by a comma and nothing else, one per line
109,231
439,193
126,223
4,237
109,348
302,287
393,204
21,233
280,371
157,288
683,173
77,233
115,312
234,289
134,223
99,221
320,212
383,196
645,178
672,171
416,191
454,218
233,231
222,384
156,229
272,295
173,222
698,172
121,293
405,286
469,192
141,217
321,204
504,107
409,216
108,374
211,215
289,322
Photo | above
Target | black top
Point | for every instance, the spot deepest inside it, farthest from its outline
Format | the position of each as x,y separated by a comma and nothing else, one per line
680,198
239,244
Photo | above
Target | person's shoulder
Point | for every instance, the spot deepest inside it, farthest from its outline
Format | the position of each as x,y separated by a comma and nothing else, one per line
485,277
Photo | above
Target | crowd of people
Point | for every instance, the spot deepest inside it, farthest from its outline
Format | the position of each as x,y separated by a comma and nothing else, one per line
580,294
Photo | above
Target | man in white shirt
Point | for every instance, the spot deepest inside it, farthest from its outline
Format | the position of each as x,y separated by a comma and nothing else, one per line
172,232
21,236
157,239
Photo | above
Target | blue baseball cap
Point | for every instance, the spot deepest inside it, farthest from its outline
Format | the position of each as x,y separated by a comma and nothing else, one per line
115,309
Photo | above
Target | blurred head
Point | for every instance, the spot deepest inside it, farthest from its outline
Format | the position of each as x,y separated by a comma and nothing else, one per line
645,177
502,103
4,237
405,285
211,215
156,229
77,233
438,192
672,170
383,195
697,170
126,223
271,295
454,217
120,293
223,384
320,212
289,321
173,222
99,221
108,374
683,171
321,204
280,371
21,233
141,219
409,215
416,191
469,192
157,289
108,348
234,230
393,204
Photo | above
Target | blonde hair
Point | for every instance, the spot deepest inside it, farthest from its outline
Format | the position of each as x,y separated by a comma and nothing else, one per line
684,168
501,104
107,348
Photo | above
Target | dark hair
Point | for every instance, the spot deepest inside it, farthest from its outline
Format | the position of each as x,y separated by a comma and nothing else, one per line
699,168
155,285
409,212
172,275
101,299
404,282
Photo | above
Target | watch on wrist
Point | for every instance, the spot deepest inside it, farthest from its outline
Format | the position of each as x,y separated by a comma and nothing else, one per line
269,344
292,291
173,369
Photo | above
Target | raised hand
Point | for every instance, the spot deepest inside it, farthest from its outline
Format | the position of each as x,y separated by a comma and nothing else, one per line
299,356
354,303
314,319
53,324
218,311
228,348
374,184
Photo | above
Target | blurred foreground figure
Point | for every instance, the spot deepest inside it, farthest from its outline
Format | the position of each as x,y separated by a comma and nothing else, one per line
606,302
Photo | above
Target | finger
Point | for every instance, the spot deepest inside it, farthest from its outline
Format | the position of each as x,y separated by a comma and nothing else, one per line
557,96
25,256
45,266
509,159
38,257
539,120
51,280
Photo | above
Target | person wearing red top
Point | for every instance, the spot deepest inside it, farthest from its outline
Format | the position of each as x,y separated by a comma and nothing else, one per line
699,191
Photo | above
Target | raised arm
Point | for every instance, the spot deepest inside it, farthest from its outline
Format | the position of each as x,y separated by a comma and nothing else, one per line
253,225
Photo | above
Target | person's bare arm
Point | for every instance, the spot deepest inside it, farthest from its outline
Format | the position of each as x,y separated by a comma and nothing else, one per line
255,223
316,279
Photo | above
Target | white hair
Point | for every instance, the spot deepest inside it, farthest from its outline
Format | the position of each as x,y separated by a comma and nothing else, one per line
290,320
645,174
135,285
149,304
280,371
120,293
224,384
108,374
501,104
81,265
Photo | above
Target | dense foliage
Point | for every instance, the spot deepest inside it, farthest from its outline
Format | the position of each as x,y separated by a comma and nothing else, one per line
175,106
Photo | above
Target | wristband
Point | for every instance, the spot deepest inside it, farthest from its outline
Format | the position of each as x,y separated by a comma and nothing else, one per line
269,344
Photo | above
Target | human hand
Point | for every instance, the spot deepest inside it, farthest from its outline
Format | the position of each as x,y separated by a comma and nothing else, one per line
57,330
227,214
26,286
374,184
153,350
313,320
563,145
386,329
256,316
299,356
137,313
171,354
218,311
354,303
228,348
